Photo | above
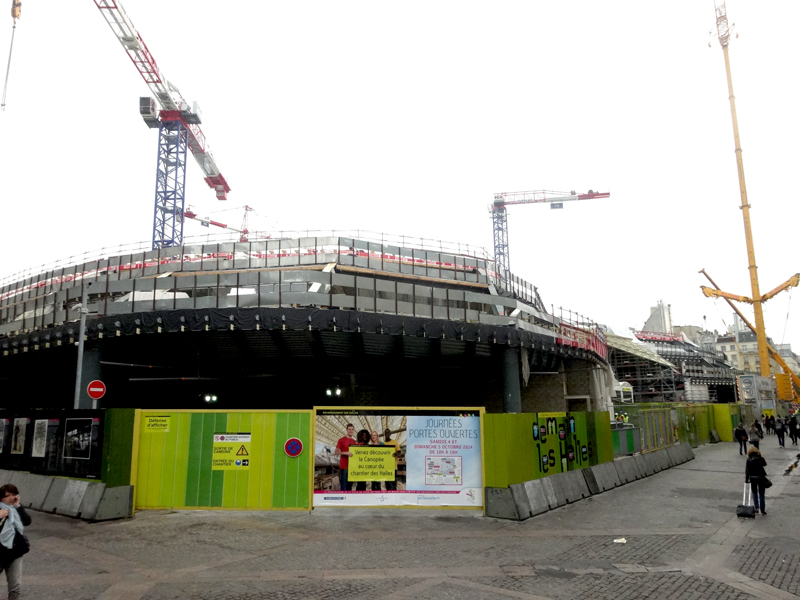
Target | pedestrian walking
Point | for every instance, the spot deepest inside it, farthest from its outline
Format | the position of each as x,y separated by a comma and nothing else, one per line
14,519
780,431
752,434
740,435
757,424
756,476
772,424
793,430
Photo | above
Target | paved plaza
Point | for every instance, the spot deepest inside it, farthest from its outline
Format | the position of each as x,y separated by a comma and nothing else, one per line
682,540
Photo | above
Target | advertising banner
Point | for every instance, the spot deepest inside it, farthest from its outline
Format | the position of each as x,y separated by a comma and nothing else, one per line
398,457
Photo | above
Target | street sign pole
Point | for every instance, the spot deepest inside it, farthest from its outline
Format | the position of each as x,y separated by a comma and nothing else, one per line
81,333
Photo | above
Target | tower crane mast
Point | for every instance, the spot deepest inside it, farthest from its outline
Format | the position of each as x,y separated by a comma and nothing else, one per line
178,131
500,217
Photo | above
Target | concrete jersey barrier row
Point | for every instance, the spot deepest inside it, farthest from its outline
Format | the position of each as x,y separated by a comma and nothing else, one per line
524,500
89,500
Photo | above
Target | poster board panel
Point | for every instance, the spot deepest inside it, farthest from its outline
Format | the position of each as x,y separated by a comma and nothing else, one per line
398,456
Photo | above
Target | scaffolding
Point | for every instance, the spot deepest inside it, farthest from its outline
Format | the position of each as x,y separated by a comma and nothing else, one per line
652,378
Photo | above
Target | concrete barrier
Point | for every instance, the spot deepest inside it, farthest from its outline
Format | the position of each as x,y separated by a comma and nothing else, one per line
643,466
591,481
17,478
675,455
34,490
627,470
689,452
521,501
660,461
116,503
54,494
541,495
606,476
569,487
70,503
666,459
681,450
91,501
499,503
533,497
655,459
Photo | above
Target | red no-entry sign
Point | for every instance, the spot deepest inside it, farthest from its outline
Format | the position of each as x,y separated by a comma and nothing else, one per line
96,389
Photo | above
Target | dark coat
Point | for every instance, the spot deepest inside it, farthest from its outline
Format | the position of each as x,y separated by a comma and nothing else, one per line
754,467
740,434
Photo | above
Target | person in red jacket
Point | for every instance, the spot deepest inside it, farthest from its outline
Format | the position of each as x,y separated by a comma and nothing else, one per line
343,451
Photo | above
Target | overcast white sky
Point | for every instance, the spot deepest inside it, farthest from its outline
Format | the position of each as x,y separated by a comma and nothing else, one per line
406,117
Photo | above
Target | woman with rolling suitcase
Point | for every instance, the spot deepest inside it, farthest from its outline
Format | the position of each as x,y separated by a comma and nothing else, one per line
755,474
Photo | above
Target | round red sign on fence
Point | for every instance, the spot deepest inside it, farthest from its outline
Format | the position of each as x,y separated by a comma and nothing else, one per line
293,447
96,389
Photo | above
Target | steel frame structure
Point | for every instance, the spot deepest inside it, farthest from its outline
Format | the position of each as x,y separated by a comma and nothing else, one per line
500,237
170,183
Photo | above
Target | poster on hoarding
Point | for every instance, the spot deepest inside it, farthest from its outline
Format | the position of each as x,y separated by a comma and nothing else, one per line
39,438
78,439
18,436
398,457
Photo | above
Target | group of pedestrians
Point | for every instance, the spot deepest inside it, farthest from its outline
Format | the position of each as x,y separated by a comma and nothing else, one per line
778,426
755,473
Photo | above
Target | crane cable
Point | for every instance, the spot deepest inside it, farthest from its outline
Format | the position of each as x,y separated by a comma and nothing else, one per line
745,359
8,68
786,324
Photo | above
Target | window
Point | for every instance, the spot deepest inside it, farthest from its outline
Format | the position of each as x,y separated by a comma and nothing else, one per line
744,347
732,347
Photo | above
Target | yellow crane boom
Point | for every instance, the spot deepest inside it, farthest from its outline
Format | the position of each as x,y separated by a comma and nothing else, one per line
772,351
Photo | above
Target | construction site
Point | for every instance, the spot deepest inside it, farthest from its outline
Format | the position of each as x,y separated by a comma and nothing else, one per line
237,368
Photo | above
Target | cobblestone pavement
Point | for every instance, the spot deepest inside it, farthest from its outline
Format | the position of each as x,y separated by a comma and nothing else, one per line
682,540
763,562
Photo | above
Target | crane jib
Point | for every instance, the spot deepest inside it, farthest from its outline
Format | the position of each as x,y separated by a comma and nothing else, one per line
179,131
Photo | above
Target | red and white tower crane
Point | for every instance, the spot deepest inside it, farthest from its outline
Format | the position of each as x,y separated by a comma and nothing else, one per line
178,129
500,218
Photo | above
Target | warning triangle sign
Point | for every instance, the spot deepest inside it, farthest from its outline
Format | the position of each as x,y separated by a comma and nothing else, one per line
242,451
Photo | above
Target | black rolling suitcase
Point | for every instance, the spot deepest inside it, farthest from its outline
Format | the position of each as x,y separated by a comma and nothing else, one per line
746,510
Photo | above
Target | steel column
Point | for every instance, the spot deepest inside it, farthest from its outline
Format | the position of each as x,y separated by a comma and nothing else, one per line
512,397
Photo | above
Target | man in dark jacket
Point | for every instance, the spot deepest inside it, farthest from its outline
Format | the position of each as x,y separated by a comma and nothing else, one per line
793,429
780,431
756,476
740,435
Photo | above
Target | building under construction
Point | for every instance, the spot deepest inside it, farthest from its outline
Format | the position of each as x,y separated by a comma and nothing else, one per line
297,322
